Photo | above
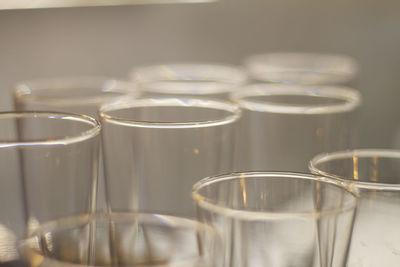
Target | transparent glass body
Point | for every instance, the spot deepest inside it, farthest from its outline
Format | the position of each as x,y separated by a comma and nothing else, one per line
123,239
198,80
284,126
302,68
278,218
375,173
48,167
80,94
156,149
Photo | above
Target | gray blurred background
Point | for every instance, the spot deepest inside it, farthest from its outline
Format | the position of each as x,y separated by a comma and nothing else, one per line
111,40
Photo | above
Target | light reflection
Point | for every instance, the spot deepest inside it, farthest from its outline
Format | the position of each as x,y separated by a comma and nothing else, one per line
374,169
244,191
355,167
33,4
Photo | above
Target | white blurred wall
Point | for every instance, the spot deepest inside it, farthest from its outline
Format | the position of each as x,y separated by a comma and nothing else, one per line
111,40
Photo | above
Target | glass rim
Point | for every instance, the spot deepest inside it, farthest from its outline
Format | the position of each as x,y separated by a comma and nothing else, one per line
351,98
209,204
66,140
102,84
270,59
346,154
128,103
161,219
229,76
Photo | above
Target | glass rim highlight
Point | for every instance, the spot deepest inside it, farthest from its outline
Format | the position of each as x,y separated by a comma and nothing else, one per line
99,84
272,62
209,204
70,222
360,153
128,103
84,135
228,77
351,98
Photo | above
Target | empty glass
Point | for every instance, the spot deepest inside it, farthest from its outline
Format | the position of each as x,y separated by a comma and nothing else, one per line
81,95
189,80
123,239
278,218
48,167
302,68
376,175
284,126
156,149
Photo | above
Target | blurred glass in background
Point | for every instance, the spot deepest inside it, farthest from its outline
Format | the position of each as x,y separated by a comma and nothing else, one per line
203,80
302,68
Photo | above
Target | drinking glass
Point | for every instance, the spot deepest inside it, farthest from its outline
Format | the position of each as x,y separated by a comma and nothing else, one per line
278,218
123,239
189,80
48,165
80,94
284,126
156,149
375,173
302,68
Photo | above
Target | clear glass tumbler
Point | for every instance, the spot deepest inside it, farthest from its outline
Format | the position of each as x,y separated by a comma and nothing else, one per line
80,94
156,149
278,218
48,167
375,173
189,80
123,239
302,68
284,126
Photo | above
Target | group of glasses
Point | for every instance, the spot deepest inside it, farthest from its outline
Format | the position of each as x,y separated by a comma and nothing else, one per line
197,165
